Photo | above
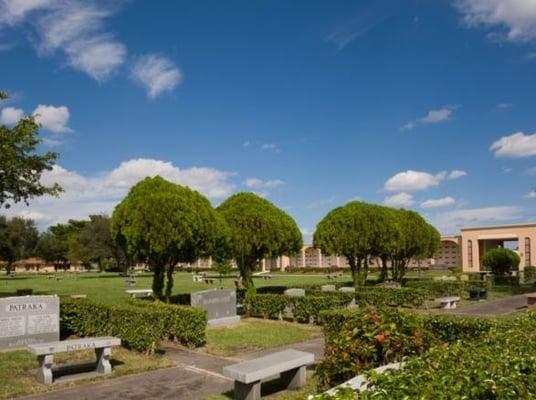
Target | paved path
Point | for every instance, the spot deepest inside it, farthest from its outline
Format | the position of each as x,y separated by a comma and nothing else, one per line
492,308
196,375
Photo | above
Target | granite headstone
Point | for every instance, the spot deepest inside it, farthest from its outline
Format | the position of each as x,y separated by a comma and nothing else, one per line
220,305
328,288
27,320
295,292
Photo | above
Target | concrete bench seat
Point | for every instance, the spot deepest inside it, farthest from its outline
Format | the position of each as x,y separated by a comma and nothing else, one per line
531,300
290,364
448,303
141,292
45,354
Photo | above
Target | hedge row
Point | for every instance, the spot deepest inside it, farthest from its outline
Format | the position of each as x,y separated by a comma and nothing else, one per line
140,325
308,308
438,288
359,340
500,365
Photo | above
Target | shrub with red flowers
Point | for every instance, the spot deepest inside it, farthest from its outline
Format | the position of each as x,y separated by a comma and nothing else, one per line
362,339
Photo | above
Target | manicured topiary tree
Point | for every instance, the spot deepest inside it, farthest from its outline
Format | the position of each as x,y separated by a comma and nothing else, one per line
501,261
257,229
418,240
164,223
350,231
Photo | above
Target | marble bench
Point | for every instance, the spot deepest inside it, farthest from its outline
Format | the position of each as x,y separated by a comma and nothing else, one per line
141,292
448,303
45,354
289,364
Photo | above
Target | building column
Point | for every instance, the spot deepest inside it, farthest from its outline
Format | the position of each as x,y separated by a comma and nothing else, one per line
263,265
302,258
319,253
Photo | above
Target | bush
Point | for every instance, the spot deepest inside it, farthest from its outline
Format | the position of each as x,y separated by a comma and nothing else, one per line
140,326
183,324
499,365
358,340
501,261
530,274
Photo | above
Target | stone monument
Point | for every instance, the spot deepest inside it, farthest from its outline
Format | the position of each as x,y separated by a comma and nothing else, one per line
294,292
220,305
27,320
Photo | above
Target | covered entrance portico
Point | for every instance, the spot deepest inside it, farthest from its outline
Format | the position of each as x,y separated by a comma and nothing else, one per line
477,241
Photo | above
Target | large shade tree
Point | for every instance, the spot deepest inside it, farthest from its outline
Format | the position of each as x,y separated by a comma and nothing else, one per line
257,230
164,223
18,239
21,166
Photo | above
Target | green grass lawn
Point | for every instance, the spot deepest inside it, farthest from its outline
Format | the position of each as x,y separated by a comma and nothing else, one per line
257,334
111,286
17,369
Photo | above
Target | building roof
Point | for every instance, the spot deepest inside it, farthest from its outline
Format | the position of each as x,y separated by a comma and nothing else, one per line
525,225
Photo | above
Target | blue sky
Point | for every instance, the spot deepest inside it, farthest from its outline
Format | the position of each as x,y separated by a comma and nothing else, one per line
420,104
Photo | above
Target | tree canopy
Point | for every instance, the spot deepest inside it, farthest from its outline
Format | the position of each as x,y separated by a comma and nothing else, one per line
18,238
164,223
257,230
501,261
20,166
360,231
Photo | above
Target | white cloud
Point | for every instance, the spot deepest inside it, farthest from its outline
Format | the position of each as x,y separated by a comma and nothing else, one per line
10,115
399,200
410,181
86,195
505,106
455,174
515,19
443,202
255,183
516,145
157,74
53,119
75,28
451,221
269,146
432,117
530,195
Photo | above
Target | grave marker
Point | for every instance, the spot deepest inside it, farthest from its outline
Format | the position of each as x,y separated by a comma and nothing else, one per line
220,305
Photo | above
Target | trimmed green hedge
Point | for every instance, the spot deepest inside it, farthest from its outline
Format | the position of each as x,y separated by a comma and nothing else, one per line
362,339
499,365
140,325
438,288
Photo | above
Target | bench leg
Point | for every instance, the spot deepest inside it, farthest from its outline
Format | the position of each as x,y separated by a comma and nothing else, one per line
103,360
247,391
44,373
295,378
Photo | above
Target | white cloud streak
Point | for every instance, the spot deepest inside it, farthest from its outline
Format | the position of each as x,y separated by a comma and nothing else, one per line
399,200
516,145
435,203
432,117
412,181
513,20
10,115
155,73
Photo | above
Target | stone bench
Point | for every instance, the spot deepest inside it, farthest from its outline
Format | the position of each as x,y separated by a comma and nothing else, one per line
531,300
448,303
141,292
290,364
45,354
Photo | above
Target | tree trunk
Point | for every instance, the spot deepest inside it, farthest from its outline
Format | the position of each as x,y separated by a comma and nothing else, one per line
169,282
384,271
8,267
158,280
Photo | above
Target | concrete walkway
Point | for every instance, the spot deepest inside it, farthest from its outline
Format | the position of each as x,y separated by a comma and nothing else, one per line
196,375
491,308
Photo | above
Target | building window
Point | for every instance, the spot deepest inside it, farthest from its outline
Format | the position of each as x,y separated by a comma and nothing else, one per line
470,253
527,252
